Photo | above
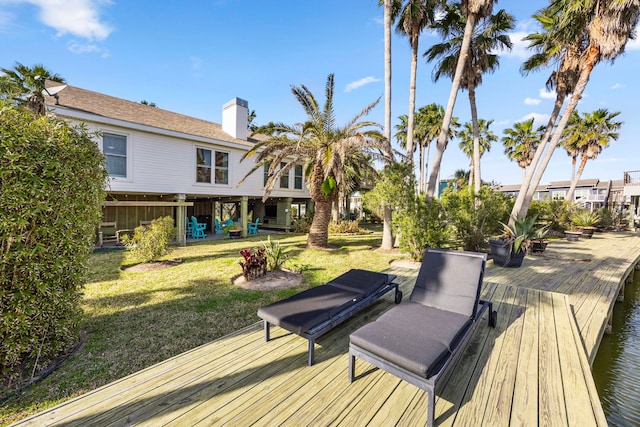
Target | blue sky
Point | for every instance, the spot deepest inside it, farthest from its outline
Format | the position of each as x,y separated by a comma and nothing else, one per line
192,56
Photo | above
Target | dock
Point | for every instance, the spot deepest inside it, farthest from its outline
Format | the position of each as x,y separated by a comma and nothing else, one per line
534,368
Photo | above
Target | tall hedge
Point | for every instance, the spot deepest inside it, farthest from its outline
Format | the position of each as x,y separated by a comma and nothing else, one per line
52,181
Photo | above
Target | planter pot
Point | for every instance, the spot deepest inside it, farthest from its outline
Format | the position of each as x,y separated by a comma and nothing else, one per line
538,246
502,255
573,236
587,232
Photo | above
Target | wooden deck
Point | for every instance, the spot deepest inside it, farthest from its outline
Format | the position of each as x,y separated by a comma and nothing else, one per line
532,369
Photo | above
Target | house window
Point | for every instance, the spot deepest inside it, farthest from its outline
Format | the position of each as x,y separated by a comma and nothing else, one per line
284,178
203,172
297,177
558,195
222,168
581,194
204,166
266,174
114,148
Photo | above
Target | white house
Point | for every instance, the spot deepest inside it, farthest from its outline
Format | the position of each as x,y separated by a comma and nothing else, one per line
163,163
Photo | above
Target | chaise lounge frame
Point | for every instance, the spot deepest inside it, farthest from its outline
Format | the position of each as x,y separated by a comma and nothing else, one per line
443,370
342,313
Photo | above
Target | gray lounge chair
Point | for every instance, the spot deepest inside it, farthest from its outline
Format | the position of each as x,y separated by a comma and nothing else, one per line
315,311
419,340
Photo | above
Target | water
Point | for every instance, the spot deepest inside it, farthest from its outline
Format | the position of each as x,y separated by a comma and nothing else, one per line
616,369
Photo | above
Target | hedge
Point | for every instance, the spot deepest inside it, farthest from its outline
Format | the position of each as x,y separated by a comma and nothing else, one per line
52,180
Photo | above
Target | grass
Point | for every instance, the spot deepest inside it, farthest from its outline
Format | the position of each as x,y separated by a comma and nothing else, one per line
134,320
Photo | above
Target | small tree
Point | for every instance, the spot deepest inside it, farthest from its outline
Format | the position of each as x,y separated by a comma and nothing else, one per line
52,180
151,242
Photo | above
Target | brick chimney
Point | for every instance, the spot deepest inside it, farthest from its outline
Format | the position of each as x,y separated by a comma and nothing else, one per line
235,115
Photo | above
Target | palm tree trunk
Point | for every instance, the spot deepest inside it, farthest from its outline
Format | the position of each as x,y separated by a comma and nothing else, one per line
319,230
412,102
524,196
441,144
576,178
387,230
573,167
421,156
476,139
591,60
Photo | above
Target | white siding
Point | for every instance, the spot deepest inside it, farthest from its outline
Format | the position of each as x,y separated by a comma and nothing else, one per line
163,164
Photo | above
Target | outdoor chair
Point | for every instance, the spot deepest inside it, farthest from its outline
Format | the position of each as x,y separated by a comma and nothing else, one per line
189,228
228,222
252,227
197,229
217,226
315,311
108,233
420,339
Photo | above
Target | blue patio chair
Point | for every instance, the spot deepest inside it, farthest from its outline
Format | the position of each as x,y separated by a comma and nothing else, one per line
198,229
189,227
252,227
228,222
218,227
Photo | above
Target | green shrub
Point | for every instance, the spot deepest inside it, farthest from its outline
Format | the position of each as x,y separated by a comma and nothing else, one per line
555,214
475,217
276,256
150,242
421,224
344,227
52,181
302,225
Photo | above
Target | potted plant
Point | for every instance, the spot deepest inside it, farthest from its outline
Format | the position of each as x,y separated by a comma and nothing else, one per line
538,240
509,249
585,222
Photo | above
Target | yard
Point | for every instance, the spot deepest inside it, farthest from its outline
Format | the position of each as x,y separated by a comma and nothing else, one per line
136,319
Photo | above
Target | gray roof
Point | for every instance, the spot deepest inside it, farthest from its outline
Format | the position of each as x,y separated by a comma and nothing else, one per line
83,100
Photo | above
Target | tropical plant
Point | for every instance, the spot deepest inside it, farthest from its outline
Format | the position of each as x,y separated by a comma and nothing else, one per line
275,254
519,234
588,136
467,142
25,85
520,143
150,242
254,264
52,179
488,37
421,224
474,216
473,10
322,146
585,218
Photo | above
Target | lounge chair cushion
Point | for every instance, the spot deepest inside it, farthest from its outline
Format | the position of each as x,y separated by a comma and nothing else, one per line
309,308
361,281
415,337
450,282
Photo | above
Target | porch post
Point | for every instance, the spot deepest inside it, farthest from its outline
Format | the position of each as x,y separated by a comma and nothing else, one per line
244,212
287,212
181,214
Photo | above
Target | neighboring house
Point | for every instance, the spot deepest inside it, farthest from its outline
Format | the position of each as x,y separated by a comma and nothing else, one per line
163,163
632,190
590,193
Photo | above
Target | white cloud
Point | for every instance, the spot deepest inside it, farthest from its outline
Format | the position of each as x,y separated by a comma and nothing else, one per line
359,83
617,86
531,101
538,119
80,18
6,19
519,49
633,44
545,94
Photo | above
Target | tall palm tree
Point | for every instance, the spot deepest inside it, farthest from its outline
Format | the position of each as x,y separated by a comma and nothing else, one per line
473,10
588,32
25,85
326,149
415,16
592,133
391,10
570,140
520,143
468,137
488,36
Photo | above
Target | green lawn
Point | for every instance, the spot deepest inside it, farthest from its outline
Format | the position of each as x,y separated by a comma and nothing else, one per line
134,320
